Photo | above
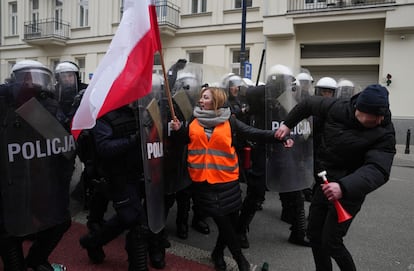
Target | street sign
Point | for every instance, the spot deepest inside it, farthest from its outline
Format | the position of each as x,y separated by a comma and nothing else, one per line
248,69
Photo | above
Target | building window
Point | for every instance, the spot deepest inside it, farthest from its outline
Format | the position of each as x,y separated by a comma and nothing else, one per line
58,14
315,4
13,18
34,11
81,64
198,6
239,3
83,13
196,57
235,65
34,6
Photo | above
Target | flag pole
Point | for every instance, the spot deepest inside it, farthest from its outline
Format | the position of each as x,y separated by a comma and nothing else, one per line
167,88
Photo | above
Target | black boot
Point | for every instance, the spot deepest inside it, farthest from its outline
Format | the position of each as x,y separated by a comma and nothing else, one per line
182,231
137,248
95,253
156,250
95,240
218,256
288,207
182,225
200,225
298,228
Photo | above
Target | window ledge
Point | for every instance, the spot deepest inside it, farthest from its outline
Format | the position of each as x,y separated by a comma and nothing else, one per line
11,36
202,14
81,28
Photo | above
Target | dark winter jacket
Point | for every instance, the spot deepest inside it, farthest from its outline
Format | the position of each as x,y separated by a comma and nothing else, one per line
358,158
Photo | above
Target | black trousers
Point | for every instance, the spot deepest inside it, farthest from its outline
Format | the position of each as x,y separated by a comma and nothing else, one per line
44,242
326,234
227,235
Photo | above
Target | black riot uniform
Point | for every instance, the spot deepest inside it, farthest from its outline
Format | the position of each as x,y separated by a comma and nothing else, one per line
264,104
119,149
48,170
68,92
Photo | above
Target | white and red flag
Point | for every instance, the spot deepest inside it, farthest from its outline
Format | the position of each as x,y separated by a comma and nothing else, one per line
125,72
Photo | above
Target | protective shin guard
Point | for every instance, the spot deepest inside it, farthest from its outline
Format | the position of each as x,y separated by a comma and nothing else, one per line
12,255
156,250
137,248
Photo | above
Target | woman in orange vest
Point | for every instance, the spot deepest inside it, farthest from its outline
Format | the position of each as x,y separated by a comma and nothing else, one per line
214,169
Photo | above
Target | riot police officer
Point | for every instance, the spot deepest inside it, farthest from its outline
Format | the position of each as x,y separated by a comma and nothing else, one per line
28,108
68,85
268,106
234,85
118,144
306,89
68,91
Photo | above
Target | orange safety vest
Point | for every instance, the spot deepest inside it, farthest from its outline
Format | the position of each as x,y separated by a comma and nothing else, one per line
214,160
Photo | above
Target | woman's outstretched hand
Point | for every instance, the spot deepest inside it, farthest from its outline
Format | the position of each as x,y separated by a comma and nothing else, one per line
175,124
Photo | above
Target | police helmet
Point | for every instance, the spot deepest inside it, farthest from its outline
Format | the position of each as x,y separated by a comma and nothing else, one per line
248,82
31,74
306,81
232,80
304,76
346,89
280,79
324,85
188,82
67,67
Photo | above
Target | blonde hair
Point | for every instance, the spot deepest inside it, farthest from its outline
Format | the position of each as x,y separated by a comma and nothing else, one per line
218,94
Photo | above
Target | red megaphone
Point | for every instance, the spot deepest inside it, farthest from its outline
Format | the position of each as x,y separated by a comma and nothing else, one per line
343,215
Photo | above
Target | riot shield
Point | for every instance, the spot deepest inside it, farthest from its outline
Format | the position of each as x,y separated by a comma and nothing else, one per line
152,126
287,169
36,165
184,90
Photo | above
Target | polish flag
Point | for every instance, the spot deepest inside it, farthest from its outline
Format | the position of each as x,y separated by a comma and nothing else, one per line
125,72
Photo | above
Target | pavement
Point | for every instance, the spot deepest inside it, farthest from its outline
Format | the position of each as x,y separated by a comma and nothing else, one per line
268,237
404,156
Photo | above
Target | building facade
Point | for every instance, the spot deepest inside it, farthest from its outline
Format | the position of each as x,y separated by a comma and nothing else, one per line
365,41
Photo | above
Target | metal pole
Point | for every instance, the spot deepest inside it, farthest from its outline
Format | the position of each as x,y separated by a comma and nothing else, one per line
407,142
260,67
243,40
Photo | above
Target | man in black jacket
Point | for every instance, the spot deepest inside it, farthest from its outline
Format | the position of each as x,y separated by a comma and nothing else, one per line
357,150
